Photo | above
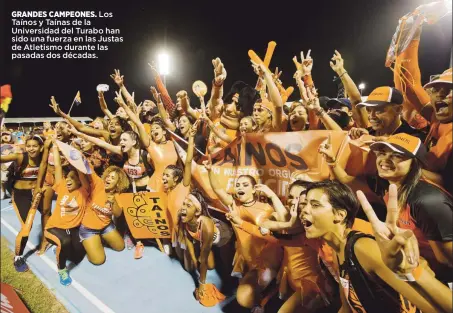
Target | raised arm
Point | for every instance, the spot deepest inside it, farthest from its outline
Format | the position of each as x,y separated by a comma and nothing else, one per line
79,126
216,130
224,197
356,183
183,99
98,142
57,163
282,213
311,102
359,115
103,105
119,80
187,177
220,75
166,99
43,166
144,137
274,96
162,111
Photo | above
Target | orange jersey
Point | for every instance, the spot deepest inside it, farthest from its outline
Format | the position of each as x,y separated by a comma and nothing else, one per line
175,198
94,218
257,253
70,207
161,156
232,133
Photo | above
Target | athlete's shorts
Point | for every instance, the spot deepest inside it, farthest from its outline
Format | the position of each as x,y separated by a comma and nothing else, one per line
85,232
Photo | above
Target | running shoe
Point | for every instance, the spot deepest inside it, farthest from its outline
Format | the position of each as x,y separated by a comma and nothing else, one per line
65,279
20,265
128,241
139,250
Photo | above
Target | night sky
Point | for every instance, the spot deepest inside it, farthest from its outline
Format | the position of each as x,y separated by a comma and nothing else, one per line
196,33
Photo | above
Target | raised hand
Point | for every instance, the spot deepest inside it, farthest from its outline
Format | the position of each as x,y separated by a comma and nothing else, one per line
265,190
306,63
220,73
259,69
54,105
194,128
156,94
118,78
326,150
276,76
399,247
337,63
309,97
119,99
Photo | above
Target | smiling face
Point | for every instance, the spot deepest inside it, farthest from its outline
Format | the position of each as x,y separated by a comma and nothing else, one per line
127,142
383,117
114,128
317,214
441,100
158,133
111,181
189,210
184,125
33,148
168,180
72,181
392,165
246,125
244,189
298,118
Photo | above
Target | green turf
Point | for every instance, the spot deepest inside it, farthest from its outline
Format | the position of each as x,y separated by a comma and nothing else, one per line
30,289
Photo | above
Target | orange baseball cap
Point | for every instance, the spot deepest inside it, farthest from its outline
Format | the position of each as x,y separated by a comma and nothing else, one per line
445,78
382,96
405,144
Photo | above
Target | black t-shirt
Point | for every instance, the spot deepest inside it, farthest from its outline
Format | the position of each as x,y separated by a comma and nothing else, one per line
431,208
404,128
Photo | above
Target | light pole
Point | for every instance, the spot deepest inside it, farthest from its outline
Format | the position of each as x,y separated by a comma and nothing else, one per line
361,87
164,66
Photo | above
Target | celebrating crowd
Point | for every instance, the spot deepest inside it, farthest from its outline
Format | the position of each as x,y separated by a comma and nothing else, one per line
380,241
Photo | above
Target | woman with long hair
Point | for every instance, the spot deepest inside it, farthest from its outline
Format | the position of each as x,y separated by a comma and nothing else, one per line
97,224
257,261
28,178
423,207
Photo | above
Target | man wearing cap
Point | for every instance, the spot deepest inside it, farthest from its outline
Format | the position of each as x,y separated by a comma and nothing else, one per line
384,107
340,110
